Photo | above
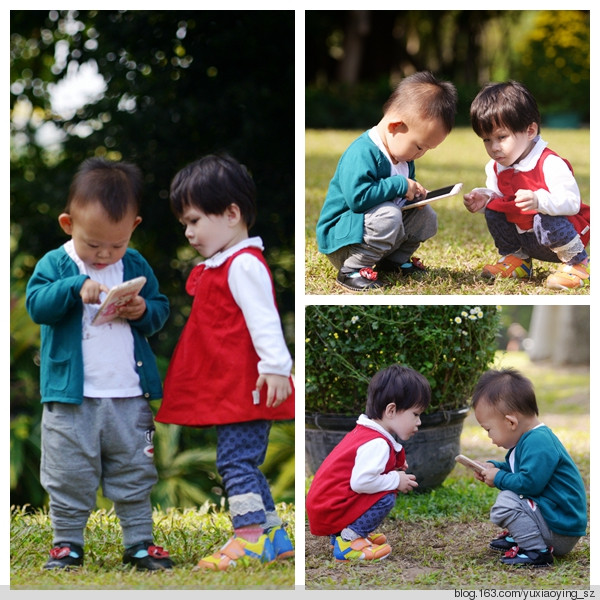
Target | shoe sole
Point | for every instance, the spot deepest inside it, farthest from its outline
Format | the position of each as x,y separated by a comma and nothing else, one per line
362,560
527,566
359,290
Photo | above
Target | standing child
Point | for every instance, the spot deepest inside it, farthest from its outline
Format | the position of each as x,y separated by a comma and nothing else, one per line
231,367
96,380
532,204
542,503
356,486
362,228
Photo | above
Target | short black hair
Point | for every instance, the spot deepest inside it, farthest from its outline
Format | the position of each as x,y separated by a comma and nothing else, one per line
117,186
399,385
212,184
509,104
507,390
429,97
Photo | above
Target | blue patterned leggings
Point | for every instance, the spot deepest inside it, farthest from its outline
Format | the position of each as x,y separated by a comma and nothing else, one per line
241,449
370,520
553,239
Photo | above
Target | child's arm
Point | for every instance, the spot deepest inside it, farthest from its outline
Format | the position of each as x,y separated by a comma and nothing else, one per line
147,312
50,295
363,178
368,475
562,196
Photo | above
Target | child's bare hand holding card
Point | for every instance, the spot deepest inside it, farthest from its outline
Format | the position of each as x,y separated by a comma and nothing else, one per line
133,310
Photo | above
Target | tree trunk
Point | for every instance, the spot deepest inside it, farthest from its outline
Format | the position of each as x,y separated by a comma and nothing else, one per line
560,334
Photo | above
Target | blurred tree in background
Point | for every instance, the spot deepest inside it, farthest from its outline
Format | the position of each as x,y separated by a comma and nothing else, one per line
355,58
170,86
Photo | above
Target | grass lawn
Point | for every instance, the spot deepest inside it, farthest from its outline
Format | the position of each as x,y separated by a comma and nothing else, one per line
440,539
462,246
188,535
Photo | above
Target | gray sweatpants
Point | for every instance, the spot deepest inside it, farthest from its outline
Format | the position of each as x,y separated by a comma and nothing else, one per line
527,525
390,233
103,441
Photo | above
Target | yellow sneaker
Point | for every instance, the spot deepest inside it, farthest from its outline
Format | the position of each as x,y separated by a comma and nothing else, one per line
509,266
239,551
359,549
568,277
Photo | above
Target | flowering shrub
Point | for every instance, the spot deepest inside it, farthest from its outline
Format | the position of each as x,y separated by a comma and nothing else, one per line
346,345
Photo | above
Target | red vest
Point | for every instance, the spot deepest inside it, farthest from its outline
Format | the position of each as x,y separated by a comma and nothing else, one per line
331,504
511,180
214,367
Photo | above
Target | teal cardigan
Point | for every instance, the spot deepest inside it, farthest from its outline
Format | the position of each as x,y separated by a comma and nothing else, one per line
53,301
545,473
361,181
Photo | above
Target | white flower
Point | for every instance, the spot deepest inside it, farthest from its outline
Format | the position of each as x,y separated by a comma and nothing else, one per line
354,319
457,320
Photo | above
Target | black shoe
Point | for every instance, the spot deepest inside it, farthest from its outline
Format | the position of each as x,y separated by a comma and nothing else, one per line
519,557
503,542
65,555
413,267
146,556
359,281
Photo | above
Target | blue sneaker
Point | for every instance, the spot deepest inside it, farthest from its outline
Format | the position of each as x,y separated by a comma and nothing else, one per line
282,545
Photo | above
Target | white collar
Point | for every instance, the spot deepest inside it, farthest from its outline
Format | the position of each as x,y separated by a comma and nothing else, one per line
529,162
216,260
364,420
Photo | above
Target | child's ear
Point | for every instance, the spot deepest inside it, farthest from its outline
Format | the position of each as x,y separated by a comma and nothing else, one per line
66,223
532,130
390,409
233,214
398,126
512,420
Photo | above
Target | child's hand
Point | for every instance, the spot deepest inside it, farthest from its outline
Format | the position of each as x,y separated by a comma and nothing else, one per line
488,475
278,388
407,482
474,201
90,291
133,310
526,200
415,190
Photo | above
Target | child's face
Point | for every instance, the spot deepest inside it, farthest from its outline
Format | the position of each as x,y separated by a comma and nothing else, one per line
502,429
403,423
98,240
209,234
409,140
507,147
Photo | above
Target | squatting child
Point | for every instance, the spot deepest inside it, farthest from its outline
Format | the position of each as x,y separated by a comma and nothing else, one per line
362,228
542,504
356,486
96,380
531,202
231,367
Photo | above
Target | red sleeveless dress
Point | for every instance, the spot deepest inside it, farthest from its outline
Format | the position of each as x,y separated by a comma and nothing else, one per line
331,504
214,368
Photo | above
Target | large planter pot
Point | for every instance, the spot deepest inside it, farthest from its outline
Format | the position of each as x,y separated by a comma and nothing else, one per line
429,453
